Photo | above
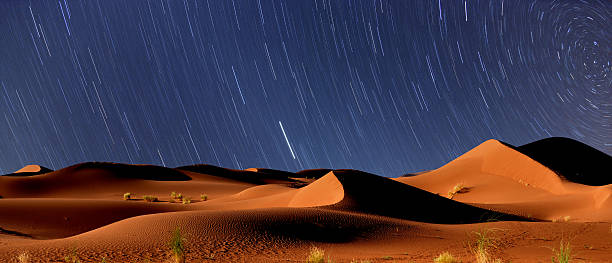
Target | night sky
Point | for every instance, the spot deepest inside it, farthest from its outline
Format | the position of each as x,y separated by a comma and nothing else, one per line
387,87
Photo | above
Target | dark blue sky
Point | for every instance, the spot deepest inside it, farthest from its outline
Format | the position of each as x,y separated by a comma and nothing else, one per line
388,87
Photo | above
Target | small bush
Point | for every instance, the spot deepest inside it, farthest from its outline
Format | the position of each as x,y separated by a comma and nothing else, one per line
387,258
446,257
186,200
173,195
484,242
72,258
179,196
24,257
177,246
564,254
127,196
204,197
457,189
316,255
149,198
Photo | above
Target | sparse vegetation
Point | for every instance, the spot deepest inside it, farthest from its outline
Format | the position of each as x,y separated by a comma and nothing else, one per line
204,197
387,257
177,246
316,255
72,258
361,261
149,198
561,219
186,200
446,257
484,242
23,257
176,196
458,189
564,254
127,196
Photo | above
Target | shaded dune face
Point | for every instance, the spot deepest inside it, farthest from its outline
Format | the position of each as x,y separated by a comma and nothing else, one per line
573,160
372,194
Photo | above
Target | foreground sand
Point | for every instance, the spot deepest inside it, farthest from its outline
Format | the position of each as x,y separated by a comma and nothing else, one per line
263,215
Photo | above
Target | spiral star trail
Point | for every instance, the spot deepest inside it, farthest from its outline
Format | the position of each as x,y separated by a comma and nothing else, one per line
387,87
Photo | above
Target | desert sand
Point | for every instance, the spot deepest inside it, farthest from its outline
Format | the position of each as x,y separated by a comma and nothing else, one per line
526,199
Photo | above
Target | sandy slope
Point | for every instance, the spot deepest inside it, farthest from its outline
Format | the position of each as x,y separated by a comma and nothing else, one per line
264,215
502,178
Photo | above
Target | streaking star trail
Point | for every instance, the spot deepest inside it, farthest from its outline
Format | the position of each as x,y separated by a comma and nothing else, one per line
383,86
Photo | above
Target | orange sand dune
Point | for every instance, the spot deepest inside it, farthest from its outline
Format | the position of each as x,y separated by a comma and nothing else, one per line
265,215
33,168
497,176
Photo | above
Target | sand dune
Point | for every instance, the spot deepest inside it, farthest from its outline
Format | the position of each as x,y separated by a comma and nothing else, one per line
266,215
496,176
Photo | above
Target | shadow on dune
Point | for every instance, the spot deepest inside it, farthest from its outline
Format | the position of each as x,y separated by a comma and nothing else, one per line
571,159
372,194
259,177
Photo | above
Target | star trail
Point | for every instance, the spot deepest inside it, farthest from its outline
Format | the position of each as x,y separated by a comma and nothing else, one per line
387,87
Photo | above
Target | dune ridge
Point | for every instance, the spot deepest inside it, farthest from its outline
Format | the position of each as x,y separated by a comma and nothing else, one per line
267,215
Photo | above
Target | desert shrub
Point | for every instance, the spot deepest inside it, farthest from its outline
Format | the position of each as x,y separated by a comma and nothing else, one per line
23,257
149,198
564,254
179,196
204,197
483,244
446,257
387,258
316,255
173,195
127,196
177,246
72,258
186,200
457,189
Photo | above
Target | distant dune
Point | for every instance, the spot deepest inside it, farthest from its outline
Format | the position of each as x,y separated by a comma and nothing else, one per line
266,215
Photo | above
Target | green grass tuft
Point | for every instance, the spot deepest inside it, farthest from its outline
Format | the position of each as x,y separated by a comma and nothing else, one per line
316,255
564,254
177,246
149,198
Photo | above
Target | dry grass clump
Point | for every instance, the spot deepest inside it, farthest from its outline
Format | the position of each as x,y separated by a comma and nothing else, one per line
483,245
186,200
177,246
458,189
72,258
23,257
176,196
316,255
127,196
446,257
562,219
149,198
204,197
564,254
